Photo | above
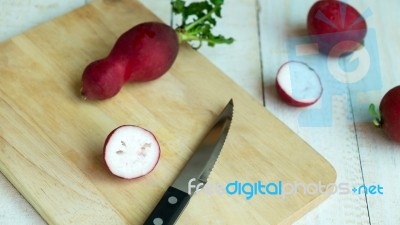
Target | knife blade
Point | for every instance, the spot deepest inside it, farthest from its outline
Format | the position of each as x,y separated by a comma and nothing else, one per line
196,171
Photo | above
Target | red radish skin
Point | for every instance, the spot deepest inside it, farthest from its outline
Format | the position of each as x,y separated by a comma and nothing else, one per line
307,79
289,100
390,113
131,152
148,50
100,81
143,53
330,22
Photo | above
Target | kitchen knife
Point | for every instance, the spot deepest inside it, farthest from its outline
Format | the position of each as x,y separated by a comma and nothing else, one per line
196,172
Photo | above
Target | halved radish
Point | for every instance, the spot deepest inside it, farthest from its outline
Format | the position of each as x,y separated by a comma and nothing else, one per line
131,151
298,84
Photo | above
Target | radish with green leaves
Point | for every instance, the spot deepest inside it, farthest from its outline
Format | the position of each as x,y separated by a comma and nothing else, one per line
148,50
388,115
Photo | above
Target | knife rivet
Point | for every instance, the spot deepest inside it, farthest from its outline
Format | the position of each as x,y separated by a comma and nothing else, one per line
172,200
158,221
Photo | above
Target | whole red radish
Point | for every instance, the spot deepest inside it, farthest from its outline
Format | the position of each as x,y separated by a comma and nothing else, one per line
131,151
148,50
388,116
298,84
143,53
334,23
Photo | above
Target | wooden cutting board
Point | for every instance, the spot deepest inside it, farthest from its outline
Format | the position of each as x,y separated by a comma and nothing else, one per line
51,140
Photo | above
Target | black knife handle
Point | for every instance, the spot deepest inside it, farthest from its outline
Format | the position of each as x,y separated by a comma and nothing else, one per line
168,208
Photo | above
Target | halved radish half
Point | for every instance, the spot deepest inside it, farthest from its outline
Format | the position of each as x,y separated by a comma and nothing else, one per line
298,84
131,151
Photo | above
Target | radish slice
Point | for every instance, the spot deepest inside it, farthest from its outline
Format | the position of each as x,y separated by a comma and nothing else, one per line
131,151
298,84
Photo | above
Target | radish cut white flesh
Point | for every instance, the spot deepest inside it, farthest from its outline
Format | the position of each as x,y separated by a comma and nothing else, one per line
298,84
131,151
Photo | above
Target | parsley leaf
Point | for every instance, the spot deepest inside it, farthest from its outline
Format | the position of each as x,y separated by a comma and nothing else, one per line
198,20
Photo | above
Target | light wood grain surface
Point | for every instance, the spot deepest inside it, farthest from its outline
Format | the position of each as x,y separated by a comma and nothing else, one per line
359,153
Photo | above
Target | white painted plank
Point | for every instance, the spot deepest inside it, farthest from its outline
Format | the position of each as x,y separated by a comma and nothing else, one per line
17,16
380,156
281,23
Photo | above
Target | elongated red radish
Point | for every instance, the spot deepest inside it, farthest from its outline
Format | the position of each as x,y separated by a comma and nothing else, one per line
143,53
148,50
131,151
298,84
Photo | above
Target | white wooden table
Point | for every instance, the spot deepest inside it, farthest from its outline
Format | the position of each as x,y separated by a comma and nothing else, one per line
265,31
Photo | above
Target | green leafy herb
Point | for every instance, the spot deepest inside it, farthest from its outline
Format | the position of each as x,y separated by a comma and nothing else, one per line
376,114
198,20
